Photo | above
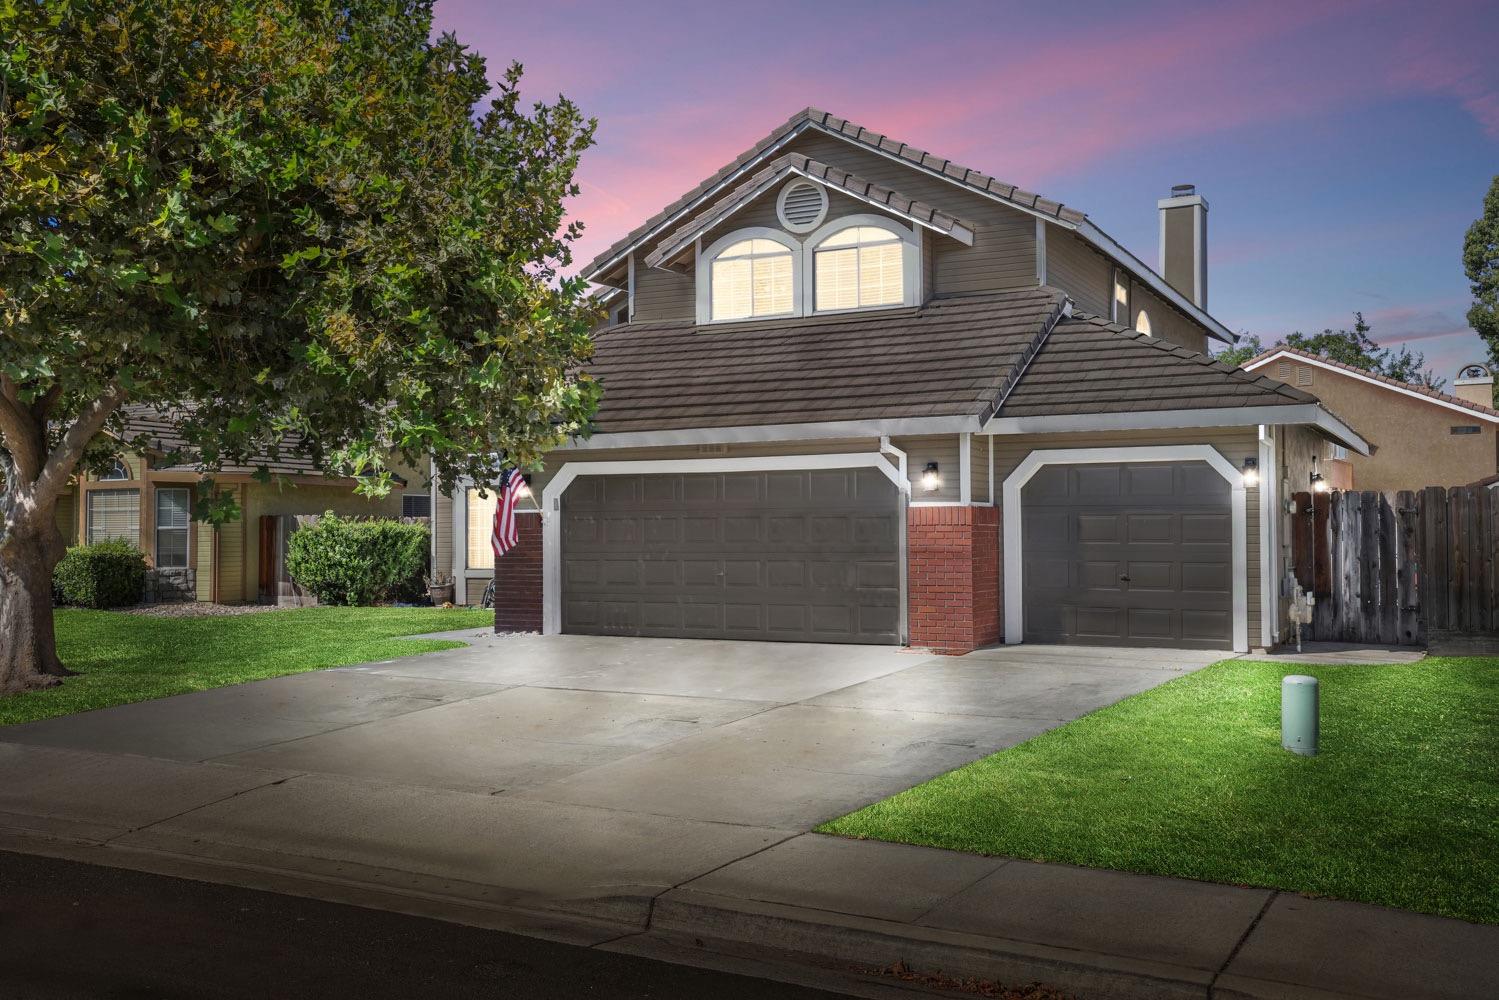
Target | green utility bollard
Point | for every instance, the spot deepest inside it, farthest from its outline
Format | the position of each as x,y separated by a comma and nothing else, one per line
1299,714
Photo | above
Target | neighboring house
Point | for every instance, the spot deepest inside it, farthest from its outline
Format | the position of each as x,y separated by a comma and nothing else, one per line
1421,437
858,393
147,502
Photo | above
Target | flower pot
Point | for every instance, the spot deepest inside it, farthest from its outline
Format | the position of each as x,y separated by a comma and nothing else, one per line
441,593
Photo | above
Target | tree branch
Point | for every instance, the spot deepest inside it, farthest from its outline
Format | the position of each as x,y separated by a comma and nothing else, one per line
64,459
19,434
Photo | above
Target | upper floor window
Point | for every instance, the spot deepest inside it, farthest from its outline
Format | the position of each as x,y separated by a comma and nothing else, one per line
1142,323
117,472
1121,297
753,277
860,266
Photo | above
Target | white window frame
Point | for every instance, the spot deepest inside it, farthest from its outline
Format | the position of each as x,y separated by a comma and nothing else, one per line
1149,330
910,262
1014,577
705,261
157,529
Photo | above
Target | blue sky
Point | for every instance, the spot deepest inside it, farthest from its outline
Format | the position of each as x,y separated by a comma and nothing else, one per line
1344,147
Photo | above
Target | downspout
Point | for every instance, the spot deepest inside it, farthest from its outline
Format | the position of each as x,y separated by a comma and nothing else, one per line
1269,538
886,448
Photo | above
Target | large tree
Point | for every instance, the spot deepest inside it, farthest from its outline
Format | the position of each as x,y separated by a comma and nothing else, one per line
273,216
1352,347
1481,264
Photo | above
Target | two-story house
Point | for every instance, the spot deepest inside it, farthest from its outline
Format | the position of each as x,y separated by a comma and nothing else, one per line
855,392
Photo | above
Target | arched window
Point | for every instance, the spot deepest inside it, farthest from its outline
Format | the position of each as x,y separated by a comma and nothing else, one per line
861,265
751,277
117,472
1142,323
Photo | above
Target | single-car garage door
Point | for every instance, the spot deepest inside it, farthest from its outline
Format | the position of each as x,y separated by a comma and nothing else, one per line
1128,554
804,556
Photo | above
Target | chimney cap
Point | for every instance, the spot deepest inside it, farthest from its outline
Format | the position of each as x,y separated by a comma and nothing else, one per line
1182,190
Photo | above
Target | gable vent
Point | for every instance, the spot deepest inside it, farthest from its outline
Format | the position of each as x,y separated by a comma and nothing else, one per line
802,206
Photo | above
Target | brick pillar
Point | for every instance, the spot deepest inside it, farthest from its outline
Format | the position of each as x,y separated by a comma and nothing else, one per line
517,580
953,577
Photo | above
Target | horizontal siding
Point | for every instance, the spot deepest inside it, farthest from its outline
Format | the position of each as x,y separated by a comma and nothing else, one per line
1166,321
982,445
1233,443
939,448
1078,270
663,294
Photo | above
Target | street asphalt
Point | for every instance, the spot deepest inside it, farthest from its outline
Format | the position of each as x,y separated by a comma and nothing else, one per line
80,931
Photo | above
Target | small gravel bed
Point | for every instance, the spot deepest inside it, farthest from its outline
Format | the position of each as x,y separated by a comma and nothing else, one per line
196,609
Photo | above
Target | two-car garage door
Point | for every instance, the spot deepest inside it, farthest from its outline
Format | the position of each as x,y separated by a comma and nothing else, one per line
795,555
1128,554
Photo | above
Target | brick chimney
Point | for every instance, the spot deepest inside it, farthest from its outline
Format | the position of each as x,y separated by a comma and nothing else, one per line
1475,384
1184,243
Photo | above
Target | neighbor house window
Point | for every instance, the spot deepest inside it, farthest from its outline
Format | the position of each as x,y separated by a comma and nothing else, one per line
480,529
416,505
114,514
174,512
751,278
860,266
1142,323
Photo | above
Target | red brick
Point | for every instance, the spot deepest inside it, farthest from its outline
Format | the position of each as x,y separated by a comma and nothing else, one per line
953,577
517,581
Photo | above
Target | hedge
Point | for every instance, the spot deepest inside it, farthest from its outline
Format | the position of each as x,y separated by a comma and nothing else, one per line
343,560
108,574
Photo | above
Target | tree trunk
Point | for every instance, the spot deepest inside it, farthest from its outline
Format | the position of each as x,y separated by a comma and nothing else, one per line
28,644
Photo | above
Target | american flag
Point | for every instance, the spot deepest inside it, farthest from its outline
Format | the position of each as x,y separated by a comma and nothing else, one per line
506,532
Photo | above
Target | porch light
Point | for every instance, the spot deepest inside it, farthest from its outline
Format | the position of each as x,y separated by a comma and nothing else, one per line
1251,472
1319,483
931,478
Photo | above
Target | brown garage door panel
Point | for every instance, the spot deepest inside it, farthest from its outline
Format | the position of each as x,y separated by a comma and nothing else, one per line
1128,554
797,555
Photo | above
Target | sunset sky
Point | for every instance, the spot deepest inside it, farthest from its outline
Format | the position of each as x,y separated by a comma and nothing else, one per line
1343,147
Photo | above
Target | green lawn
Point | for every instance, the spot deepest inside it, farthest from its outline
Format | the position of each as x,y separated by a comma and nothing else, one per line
123,658
1401,808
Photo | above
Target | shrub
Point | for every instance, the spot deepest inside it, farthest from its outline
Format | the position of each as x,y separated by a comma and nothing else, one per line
342,560
108,574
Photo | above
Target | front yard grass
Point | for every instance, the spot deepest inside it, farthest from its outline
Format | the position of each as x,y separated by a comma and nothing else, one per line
1400,809
124,658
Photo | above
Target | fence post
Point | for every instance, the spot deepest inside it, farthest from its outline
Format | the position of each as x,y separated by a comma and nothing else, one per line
1407,514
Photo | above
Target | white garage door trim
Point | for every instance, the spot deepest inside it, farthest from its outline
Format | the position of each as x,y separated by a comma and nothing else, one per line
551,507
1037,460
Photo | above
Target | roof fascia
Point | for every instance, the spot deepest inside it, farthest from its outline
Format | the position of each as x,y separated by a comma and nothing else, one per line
729,178
777,432
960,232
1237,416
1360,376
1158,284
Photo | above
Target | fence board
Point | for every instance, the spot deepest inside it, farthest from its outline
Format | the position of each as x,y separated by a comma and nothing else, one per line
1407,559
1387,606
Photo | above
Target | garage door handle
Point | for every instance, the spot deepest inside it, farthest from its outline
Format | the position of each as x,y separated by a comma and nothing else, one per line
1124,578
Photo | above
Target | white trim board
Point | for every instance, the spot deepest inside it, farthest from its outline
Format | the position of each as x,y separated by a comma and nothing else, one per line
1014,577
1226,416
1363,377
551,506
904,427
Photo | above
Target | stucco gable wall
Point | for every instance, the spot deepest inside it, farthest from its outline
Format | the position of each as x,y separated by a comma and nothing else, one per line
1414,439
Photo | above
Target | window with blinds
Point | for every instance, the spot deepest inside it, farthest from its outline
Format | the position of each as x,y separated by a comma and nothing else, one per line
114,514
416,505
857,267
480,528
174,513
752,278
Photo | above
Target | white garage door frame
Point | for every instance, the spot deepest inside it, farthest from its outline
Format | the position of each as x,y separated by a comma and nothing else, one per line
1037,460
551,507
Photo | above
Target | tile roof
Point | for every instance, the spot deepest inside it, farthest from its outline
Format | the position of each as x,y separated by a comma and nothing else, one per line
160,426
821,120
952,357
833,177
1089,365
1392,382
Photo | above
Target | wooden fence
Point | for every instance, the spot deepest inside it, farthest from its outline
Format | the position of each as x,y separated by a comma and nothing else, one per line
1395,573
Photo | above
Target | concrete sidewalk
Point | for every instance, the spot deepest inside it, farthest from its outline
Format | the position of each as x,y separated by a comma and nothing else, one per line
793,906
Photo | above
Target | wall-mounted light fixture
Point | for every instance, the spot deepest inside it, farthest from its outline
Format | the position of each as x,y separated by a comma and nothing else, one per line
1251,472
931,478
1319,483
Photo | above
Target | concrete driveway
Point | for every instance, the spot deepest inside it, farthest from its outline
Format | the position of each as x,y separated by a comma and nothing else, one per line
566,772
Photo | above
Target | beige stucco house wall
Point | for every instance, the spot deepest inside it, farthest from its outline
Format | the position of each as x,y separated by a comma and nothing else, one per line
1421,438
